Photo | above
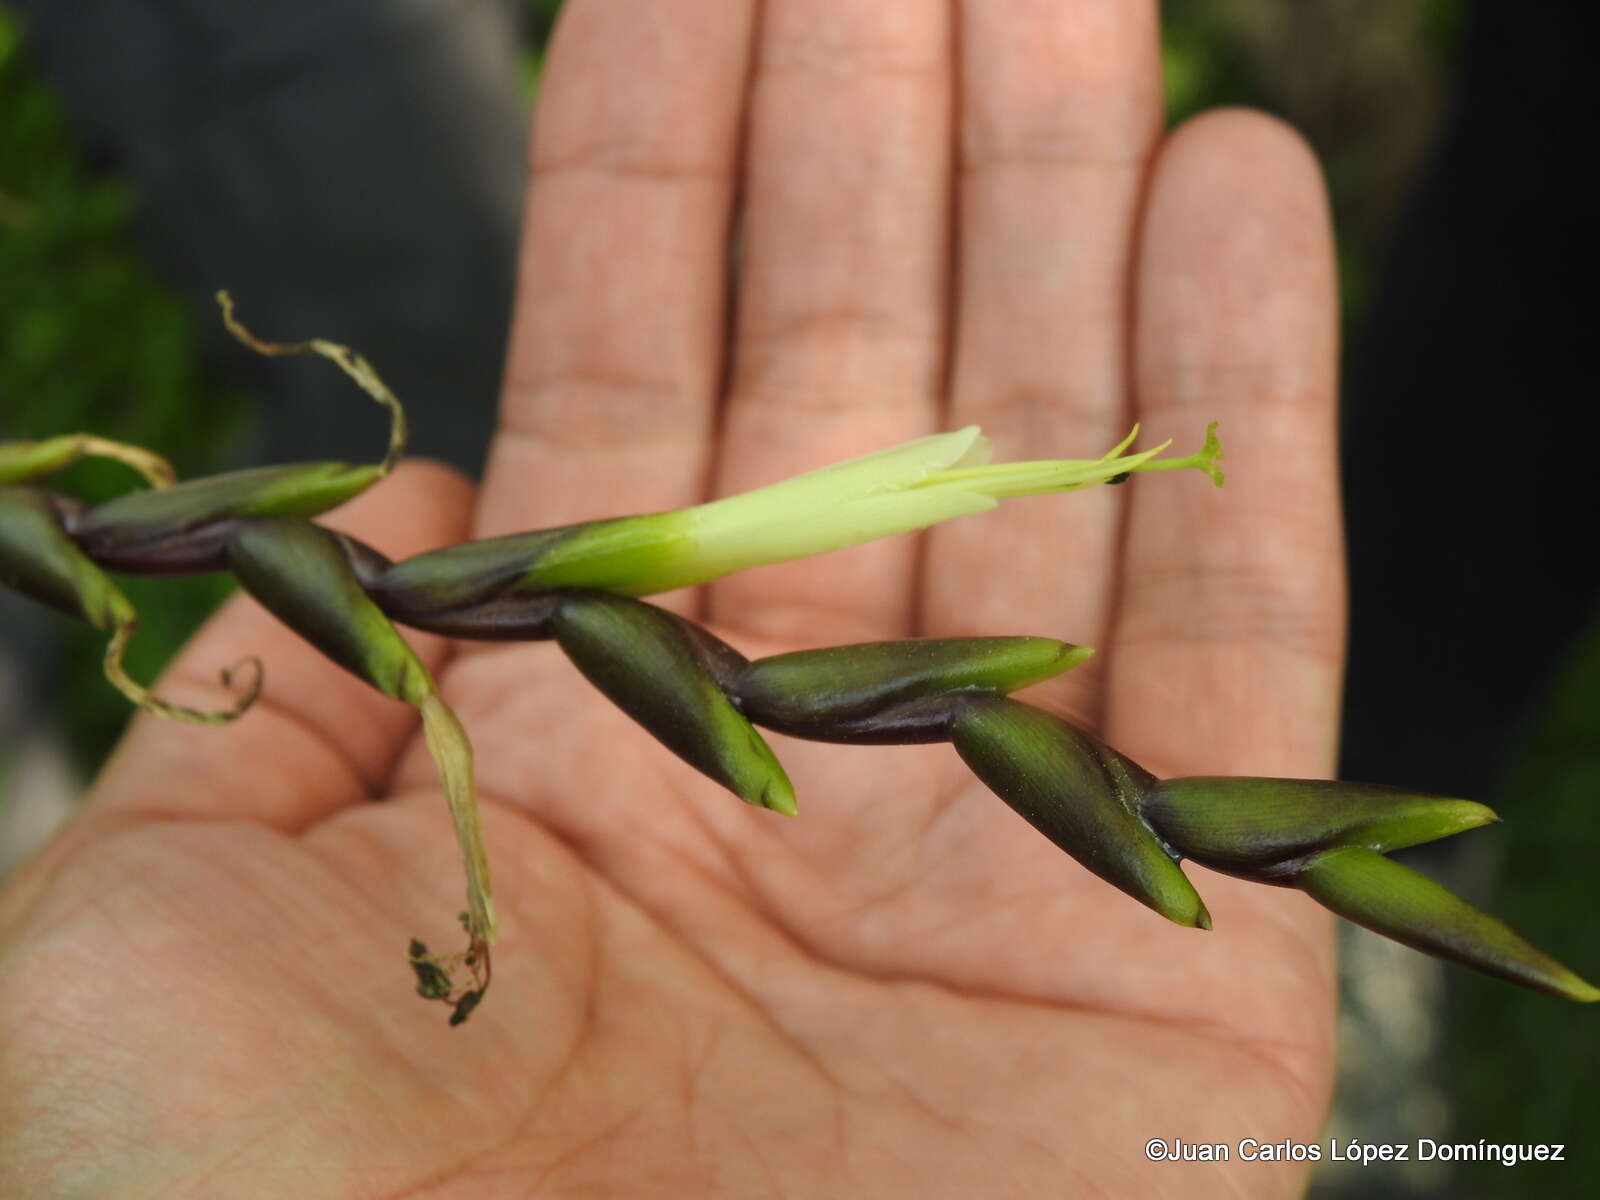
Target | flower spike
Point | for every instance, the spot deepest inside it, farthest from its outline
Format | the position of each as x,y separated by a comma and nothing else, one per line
702,699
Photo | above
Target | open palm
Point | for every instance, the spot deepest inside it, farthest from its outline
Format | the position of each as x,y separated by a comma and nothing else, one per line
905,990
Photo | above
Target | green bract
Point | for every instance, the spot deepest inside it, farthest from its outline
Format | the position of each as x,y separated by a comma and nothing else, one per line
601,555
1080,794
301,574
661,672
1388,898
854,693
294,490
38,559
1258,828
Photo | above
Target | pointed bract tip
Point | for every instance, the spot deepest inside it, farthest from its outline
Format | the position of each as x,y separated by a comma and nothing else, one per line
1182,905
1072,656
1572,986
779,798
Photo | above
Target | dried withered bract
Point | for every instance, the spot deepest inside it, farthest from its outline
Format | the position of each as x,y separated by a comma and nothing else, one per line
24,461
464,1007
432,981
304,575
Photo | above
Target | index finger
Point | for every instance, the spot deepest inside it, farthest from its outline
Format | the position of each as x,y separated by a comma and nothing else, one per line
615,359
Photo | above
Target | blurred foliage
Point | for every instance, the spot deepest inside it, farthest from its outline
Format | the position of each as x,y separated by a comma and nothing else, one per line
91,340
1362,80
1529,1075
541,23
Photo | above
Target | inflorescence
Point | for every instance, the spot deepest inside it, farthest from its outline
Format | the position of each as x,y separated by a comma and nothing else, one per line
578,585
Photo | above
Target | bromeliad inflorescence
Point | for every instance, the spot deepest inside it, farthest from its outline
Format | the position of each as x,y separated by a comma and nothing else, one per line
578,585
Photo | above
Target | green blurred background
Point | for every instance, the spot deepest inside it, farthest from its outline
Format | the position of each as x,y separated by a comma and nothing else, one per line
87,326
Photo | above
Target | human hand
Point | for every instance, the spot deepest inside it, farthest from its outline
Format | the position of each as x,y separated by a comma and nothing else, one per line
906,989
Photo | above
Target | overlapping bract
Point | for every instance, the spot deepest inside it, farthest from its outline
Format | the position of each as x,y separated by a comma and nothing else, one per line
703,699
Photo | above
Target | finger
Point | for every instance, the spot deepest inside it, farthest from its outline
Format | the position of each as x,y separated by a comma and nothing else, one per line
1226,653
1228,646
1061,106
842,287
317,738
616,345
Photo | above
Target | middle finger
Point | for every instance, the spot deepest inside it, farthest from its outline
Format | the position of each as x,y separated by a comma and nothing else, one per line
1060,110
842,290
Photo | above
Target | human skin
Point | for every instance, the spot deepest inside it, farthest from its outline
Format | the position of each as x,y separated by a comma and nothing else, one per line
904,990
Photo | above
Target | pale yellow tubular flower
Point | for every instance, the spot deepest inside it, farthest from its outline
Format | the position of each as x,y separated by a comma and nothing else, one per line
897,490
